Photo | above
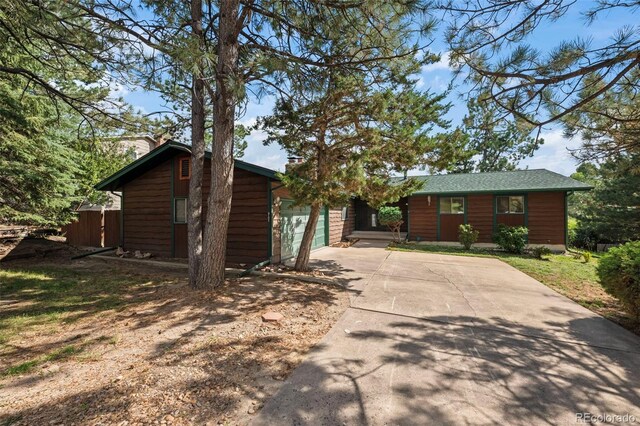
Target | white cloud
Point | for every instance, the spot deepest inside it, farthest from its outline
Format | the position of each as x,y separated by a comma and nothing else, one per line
554,154
442,64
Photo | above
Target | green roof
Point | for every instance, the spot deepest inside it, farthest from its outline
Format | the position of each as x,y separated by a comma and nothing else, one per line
158,156
499,182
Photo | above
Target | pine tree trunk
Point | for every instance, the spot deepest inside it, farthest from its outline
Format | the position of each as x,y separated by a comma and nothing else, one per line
302,261
212,265
194,213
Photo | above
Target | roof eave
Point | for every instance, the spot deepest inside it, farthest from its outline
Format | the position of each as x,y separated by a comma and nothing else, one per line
503,191
112,183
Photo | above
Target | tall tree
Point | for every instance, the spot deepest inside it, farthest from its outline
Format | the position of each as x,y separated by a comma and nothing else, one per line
490,142
491,40
610,213
250,47
55,101
353,133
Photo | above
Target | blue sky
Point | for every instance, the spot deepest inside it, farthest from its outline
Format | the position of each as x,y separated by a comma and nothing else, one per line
553,155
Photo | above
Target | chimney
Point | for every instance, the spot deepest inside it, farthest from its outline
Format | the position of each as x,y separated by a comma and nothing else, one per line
291,161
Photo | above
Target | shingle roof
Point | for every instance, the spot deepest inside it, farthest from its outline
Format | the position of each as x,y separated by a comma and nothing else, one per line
499,182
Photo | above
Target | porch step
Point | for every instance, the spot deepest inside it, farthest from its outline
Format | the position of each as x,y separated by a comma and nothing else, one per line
374,235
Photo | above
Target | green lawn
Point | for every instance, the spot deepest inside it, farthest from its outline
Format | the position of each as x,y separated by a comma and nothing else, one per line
571,277
39,300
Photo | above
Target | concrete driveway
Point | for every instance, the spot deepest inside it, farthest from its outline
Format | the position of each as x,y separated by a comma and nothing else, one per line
435,339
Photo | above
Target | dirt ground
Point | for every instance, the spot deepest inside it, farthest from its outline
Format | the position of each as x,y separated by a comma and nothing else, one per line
167,354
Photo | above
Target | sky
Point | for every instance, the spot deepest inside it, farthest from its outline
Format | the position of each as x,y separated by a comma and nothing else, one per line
553,155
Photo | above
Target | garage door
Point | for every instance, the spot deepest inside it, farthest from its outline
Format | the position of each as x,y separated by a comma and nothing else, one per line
293,220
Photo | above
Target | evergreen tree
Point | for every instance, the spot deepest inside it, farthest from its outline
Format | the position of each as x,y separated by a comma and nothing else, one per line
610,213
353,133
491,142
490,39
226,51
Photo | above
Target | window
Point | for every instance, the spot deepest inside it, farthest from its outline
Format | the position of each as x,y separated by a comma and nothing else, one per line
185,168
510,204
180,210
451,205
345,213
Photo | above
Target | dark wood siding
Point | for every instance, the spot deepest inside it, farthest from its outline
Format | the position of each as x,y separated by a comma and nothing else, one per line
147,212
480,215
247,235
449,226
546,217
148,220
422,218
510,219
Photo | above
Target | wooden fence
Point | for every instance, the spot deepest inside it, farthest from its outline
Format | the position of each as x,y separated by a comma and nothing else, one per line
94,229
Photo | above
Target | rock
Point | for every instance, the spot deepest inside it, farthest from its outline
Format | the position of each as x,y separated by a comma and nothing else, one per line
272,317
251,410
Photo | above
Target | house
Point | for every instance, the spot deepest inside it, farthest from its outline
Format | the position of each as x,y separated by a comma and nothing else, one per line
134,146
266,224
536,199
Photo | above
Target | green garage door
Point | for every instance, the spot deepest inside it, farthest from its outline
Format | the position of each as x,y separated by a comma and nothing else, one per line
293,220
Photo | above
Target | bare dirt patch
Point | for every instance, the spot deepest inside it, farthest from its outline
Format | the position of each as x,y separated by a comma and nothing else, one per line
160,353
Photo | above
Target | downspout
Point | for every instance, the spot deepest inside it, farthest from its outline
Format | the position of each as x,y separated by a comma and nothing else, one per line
566,219
269,219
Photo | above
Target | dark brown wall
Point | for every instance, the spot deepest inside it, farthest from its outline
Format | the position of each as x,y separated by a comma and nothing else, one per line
510,219
546,217
422,218
338,228
480,215
147,212
247,238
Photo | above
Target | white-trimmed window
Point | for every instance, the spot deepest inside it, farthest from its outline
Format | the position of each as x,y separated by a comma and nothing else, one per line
451,205
345,213
180,210
510,204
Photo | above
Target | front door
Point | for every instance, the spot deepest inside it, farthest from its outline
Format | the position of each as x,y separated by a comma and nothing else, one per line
367,217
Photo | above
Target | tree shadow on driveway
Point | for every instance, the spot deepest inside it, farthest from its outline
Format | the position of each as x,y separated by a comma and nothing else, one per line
457,370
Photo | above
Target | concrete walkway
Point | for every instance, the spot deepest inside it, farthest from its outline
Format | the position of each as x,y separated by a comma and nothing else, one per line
436,339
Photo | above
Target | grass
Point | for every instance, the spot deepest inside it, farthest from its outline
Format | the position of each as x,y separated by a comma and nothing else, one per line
56,355
42,299
569,276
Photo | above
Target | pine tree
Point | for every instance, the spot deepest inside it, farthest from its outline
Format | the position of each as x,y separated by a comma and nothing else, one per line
353,134
488,141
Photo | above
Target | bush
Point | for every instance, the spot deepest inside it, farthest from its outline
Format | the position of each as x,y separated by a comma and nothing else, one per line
391,217
467,236
540,251
619,272
586,255
512,239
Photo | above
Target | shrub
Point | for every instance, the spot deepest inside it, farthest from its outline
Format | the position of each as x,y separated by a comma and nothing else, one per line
467,236
586,255
512,239
619,272
540,251
391,217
